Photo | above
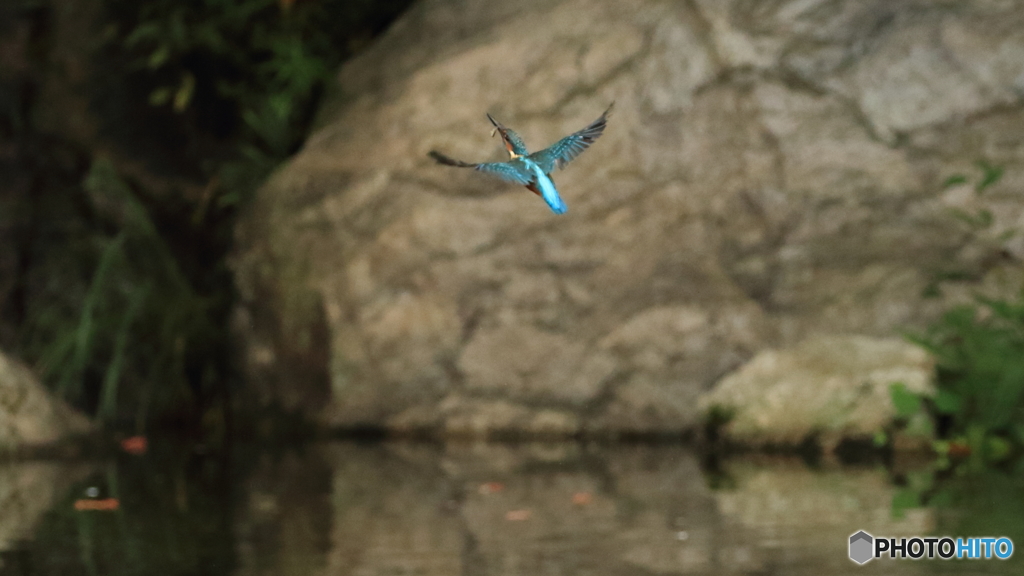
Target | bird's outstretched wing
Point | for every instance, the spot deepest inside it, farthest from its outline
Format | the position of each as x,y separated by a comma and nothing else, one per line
565,150
508,171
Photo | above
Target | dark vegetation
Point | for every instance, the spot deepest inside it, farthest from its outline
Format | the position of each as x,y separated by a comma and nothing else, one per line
131,134
977,411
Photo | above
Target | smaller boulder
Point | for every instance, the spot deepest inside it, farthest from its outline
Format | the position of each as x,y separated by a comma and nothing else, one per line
832,387
29,415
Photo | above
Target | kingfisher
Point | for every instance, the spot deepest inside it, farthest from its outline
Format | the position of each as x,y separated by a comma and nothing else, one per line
534,170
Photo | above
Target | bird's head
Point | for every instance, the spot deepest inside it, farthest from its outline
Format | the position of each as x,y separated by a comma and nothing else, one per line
511,140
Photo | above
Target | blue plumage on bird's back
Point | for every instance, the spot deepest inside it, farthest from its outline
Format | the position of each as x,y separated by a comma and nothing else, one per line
547,189
550,195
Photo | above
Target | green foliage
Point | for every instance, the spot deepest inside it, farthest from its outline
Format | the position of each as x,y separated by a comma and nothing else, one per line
264,60
978,223
906,402
978,406
980,365
261,63
989,175
138,318
983,218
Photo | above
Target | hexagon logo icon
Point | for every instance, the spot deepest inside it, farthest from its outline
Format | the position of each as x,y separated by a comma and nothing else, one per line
861,544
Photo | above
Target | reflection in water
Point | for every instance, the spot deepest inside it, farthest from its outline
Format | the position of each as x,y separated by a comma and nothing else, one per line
27,491
477,509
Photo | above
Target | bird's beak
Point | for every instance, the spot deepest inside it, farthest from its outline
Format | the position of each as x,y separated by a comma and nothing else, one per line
497,126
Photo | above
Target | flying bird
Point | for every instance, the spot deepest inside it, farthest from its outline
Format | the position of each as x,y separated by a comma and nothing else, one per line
534,170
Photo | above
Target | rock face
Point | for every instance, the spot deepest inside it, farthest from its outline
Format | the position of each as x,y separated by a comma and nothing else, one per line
29,416
769,174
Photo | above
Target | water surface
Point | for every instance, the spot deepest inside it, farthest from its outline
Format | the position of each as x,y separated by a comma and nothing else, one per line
482,509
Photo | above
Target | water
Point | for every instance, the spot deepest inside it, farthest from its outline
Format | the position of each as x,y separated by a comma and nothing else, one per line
479,509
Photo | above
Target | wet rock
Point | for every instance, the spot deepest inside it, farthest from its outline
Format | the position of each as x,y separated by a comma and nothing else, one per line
770,174
29,415
832,386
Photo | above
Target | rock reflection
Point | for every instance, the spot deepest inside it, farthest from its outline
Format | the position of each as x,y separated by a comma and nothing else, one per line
783,516
282,525
27,491
425,509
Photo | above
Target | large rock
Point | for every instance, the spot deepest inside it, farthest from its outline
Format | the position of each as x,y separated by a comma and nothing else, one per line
29,415
767,175
832,386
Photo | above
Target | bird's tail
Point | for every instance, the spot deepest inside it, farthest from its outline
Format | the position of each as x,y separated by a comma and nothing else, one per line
548,191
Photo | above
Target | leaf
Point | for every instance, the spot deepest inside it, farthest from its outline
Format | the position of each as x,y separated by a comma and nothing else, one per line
160,96
905,402
142,32
932,290
85,331
920,425
921,481
982,219
997,448
1007,235
1003,395
178,29
985,218
941,499
158,57
280,105
108,404
947,402
990,175
903,500
954,180
879,439
184,94
962,216
1011,311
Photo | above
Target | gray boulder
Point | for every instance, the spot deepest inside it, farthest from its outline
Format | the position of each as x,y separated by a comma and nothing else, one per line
768,174
833,387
